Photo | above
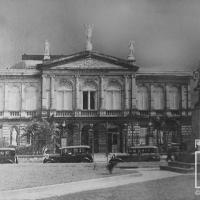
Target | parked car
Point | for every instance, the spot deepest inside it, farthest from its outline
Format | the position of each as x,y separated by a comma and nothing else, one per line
138,153
8,155
70,154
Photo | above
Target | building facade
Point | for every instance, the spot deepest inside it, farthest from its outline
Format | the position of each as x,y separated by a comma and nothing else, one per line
104,101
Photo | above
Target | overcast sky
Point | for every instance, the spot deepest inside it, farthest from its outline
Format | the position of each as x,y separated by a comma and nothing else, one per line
166,32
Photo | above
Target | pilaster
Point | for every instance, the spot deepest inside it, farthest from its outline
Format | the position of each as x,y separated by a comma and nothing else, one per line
44,91
4,96
77,106
126,92
133,91
52,98
101,93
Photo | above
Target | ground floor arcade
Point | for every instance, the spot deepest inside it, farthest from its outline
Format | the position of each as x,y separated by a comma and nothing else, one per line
107,135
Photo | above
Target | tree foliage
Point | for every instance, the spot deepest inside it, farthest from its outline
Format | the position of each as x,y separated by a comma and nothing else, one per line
41,133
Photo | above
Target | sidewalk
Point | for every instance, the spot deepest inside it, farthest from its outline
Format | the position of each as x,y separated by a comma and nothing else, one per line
86,185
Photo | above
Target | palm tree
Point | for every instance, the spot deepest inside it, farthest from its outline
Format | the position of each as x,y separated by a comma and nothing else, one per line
39,132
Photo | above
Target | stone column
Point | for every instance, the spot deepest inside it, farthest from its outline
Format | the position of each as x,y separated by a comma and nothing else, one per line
133,91
196,111
101,93
76,134
150,89
180,95
189,100
23,101
44,94
21,97
4,96
165,97
126,104
52,101
77,107
184,94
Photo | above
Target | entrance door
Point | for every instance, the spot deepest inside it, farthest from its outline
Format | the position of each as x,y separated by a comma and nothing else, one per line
114,142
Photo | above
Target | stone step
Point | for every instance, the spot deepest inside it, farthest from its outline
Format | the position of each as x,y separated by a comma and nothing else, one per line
177,169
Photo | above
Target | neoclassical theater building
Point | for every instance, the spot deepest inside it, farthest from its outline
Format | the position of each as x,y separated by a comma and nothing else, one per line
96,98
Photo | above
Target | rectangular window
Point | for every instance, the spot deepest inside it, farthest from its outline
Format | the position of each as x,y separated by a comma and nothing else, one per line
59,100
89,100
85,100
67,100
92,100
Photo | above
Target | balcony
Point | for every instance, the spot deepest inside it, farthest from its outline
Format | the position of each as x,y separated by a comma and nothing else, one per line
66,113
17,114
91,113
143,113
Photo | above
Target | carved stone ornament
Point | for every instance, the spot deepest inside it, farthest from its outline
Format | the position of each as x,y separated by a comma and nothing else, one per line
89,63
115,82
90,83
65,82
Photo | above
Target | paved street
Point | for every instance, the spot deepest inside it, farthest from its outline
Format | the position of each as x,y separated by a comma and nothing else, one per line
60,181
86,185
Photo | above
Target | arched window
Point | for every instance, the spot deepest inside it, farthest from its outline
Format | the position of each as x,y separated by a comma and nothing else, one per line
173,98
31,98
64,96
157,98
113,98
142,98
89,95
1,98
14,99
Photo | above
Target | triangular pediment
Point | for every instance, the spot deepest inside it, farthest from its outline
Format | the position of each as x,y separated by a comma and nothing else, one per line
88,60
88,63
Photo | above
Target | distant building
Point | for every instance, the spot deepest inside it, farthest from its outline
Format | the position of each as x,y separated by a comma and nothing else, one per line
112,99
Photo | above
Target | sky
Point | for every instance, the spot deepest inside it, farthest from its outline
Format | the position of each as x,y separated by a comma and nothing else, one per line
166,32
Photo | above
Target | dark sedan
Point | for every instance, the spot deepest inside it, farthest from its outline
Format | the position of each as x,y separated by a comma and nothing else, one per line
137,153
70,154
8,155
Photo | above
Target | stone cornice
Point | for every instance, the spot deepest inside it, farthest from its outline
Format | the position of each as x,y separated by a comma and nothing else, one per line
19,72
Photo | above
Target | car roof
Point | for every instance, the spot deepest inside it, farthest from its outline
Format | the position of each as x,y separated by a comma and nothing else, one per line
77,146
142,147
7,149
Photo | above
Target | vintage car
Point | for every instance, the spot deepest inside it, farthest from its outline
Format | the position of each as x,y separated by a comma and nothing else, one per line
8,155
70,154
137,153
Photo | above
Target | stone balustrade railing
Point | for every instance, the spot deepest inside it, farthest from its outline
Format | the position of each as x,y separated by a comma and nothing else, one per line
91,113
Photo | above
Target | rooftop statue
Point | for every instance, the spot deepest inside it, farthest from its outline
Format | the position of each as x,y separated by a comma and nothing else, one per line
131,56
46,50
89,29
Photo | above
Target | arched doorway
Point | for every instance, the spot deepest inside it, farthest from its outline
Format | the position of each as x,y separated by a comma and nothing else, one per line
94,134
171,132
85,135
115,142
